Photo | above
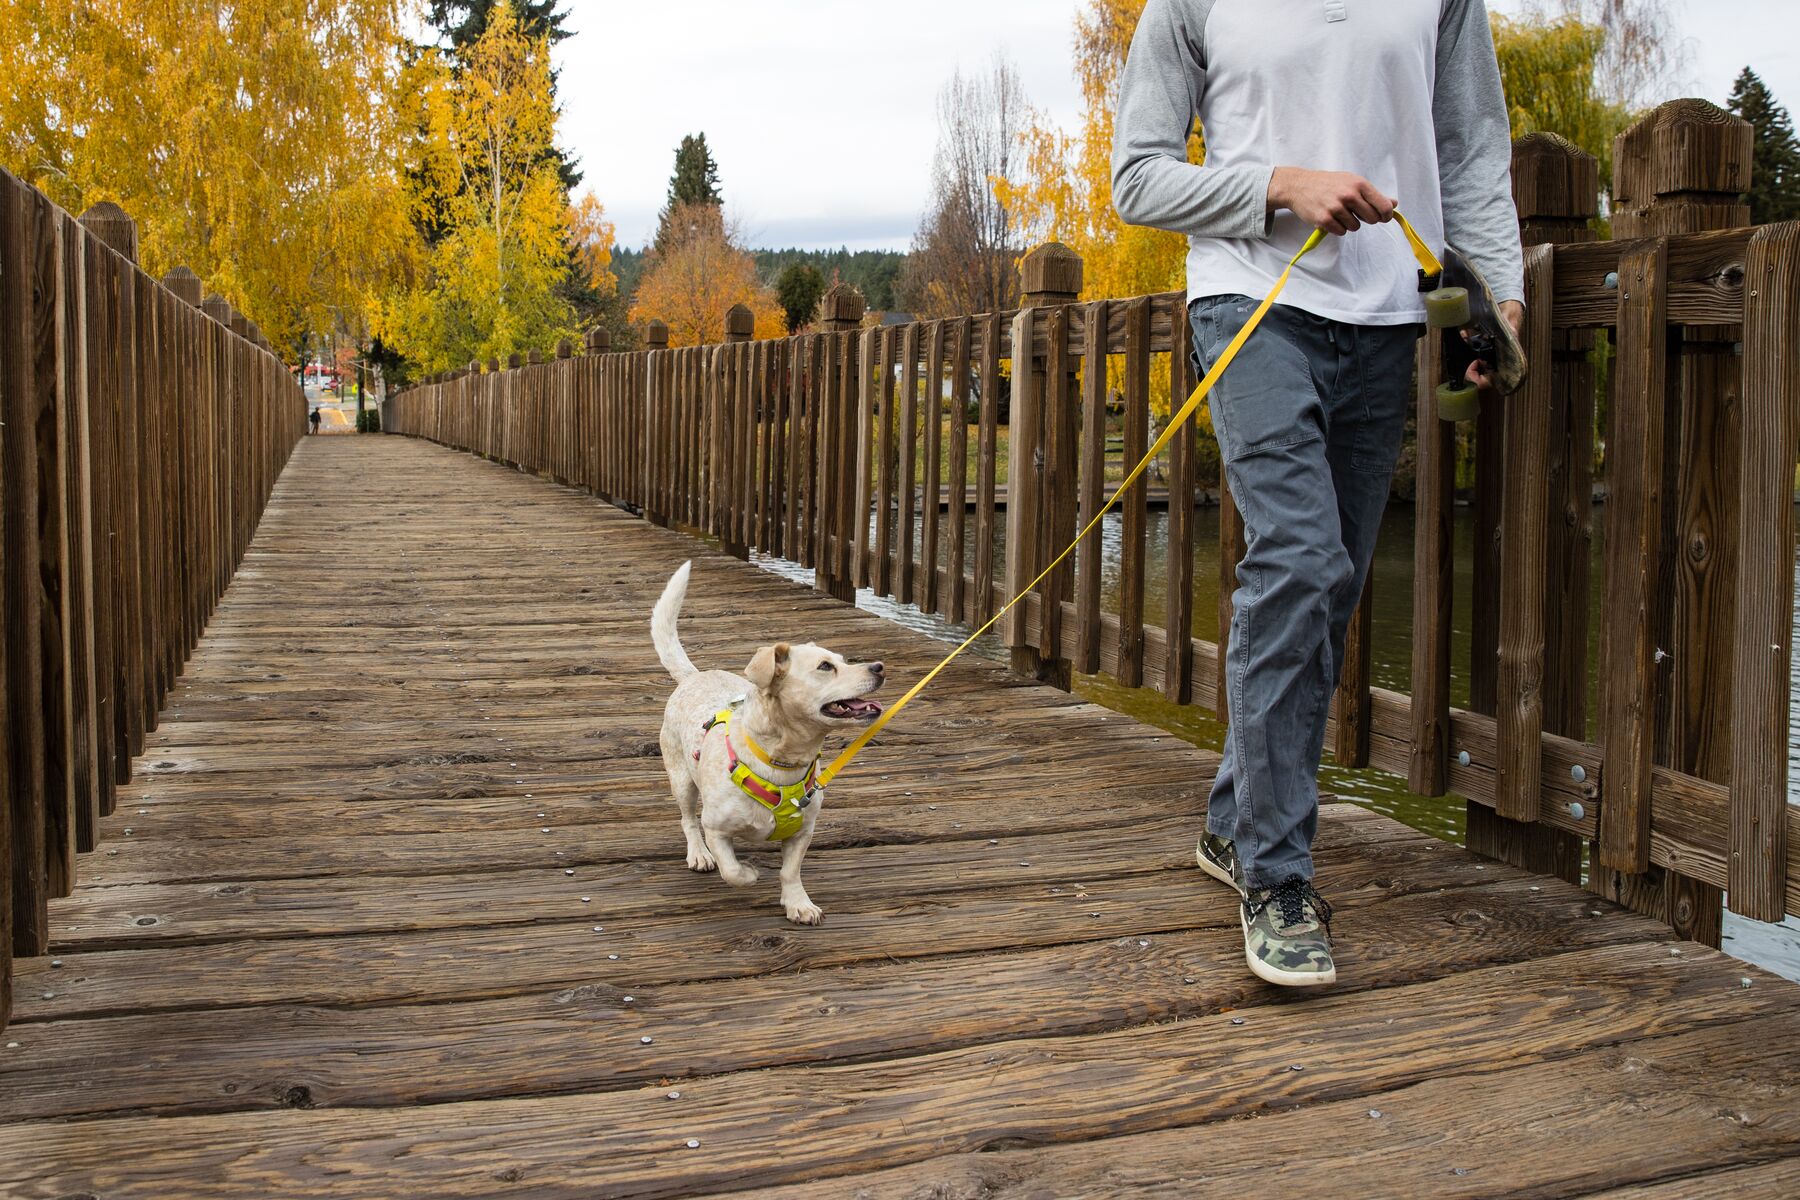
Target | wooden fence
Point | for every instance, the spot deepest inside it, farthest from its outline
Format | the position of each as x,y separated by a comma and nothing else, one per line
141,430
832,449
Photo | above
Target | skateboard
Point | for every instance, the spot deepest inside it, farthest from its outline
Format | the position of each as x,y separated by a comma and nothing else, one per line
1462,306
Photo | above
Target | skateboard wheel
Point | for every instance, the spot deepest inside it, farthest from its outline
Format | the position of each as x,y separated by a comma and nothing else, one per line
1447,308
1458,401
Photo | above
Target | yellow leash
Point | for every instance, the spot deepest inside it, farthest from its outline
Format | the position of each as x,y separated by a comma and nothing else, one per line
1427,261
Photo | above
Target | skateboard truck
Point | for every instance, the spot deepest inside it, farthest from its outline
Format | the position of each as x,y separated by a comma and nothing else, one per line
1460,303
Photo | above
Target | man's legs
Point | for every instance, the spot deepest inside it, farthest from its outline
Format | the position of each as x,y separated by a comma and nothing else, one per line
1309,418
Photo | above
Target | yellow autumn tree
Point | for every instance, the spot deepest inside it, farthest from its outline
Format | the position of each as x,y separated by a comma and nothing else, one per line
252,142
697,275
1064,192
488,193
593,237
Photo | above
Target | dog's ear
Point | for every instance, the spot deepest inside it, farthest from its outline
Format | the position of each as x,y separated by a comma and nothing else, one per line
769,667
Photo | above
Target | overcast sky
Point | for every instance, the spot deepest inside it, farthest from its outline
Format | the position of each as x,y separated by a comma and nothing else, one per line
821,112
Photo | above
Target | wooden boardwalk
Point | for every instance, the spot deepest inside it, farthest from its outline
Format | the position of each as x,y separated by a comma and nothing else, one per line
396,907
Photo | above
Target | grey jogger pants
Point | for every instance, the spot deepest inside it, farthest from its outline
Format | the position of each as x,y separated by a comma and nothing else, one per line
1309,419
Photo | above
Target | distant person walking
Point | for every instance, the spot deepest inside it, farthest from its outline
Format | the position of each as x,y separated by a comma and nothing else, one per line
1316,116
315,417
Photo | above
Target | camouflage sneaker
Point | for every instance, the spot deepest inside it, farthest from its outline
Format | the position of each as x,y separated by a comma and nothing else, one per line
1287,935
1218,858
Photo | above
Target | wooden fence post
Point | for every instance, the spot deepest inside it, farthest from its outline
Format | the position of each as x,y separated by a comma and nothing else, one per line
1041,494
119,632
840,314
19,554
1682,169
732,412
1556,189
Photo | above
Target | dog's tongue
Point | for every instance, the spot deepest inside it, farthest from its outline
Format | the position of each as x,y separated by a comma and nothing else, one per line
853,708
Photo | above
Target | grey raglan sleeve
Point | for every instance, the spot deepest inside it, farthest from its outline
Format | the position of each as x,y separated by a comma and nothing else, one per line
1474,143
1159,95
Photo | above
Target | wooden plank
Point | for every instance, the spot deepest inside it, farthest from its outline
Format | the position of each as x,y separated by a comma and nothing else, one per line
1403,1147
986,458
1704,283
1183,1074
1024,479
1352,704
1133,520
955,597
62,747
1093,491
1178,600
871,459
92,785
932,412
1057,490
907,450
1762,643
490,1049
1433,581
1628,669
1520,705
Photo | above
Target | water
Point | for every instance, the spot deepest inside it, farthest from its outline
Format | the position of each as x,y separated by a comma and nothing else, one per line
1774,947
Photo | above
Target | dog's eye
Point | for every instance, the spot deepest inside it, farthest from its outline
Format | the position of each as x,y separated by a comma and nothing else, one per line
825,666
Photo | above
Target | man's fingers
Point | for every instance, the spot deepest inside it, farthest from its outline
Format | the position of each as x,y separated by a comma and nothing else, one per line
1383,206
1362,209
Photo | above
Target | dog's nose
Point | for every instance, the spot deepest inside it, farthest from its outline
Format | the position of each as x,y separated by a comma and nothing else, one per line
877,668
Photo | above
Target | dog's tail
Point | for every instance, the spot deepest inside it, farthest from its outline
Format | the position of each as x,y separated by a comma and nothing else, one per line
662,626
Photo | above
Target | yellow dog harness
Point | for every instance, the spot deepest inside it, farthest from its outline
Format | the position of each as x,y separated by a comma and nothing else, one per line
785,802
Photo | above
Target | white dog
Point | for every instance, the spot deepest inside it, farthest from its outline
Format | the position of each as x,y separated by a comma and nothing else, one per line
743,752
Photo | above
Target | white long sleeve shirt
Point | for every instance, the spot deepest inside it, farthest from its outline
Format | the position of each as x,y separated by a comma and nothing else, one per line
1405,93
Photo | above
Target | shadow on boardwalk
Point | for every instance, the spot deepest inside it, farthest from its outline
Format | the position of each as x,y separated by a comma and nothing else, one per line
397,907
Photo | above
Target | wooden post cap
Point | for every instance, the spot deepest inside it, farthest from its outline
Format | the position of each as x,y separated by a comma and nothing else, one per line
185,284
1687,145
740,324
513,362
493,364
842,307
1553,177
474,366
599,340
565,349
218,308
1051,273
114,227
656,335
534,356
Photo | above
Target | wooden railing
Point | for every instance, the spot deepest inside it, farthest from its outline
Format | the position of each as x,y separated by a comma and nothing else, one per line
826,449
140,433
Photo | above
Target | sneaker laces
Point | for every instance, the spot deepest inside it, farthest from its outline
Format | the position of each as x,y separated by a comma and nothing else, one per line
1293,898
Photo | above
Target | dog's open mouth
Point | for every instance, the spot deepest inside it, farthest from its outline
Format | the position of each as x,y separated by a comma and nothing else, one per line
851,710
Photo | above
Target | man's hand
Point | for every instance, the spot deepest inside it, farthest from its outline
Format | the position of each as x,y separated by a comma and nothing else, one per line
1513,313
1335,201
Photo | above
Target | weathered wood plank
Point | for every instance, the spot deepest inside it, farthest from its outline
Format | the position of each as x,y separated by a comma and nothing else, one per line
1762,645
872,1115
1629,666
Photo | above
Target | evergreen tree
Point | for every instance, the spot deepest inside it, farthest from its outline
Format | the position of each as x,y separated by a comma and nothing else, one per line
462,22
695,181
1775,164
798,290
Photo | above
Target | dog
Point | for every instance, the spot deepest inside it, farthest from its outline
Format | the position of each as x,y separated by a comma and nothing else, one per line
733,743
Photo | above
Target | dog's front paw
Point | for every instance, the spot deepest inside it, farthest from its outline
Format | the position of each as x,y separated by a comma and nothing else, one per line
701,860
805,913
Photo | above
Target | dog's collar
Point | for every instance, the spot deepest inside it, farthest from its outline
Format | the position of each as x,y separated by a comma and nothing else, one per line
785,802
